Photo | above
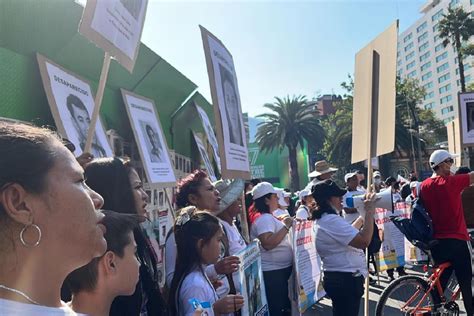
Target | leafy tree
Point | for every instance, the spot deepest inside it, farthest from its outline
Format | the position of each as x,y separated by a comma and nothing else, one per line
290,122
455,27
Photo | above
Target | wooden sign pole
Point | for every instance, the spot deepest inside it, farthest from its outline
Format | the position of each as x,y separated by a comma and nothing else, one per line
98,101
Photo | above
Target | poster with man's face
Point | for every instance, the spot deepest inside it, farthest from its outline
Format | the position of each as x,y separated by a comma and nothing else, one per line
466,105
150,139
72,103
228,111
115,26
205,158
211,136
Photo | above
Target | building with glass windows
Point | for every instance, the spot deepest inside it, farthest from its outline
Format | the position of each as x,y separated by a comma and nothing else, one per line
421,55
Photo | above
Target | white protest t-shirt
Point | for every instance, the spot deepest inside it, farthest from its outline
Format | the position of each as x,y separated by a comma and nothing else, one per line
236,242
13,308
279,257
196,287
353,216
333,235
303,212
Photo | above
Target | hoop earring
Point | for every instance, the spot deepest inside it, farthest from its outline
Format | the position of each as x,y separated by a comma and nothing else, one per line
24,243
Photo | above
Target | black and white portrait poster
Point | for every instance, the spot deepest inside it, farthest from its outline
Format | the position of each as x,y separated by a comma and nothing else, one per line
466,106
211,136
150,139
205,158
227,108
72,103
115,26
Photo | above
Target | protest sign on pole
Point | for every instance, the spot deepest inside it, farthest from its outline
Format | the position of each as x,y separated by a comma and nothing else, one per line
205,157
71,101
150,139
373,120
227,108
115,26
211,136
309,288
454,140
250,282
466,117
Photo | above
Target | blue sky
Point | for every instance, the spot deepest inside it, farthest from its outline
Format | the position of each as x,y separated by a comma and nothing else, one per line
279,47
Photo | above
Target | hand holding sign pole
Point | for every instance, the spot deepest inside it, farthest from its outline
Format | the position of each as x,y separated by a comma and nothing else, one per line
373,127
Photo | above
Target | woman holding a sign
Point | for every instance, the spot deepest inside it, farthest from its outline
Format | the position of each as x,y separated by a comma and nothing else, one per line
340,246
277,254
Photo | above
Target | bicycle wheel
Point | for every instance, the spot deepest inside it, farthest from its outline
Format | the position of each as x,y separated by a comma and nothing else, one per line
403,295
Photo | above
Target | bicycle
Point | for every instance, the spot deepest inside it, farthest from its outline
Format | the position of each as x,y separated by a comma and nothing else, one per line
415,295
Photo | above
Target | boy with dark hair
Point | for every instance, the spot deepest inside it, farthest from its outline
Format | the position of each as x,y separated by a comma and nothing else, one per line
95,285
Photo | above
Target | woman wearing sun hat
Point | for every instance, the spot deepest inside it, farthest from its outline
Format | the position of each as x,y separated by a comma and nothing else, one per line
340,247
322,171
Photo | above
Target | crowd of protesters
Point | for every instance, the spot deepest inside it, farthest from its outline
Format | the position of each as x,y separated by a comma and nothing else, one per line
72,240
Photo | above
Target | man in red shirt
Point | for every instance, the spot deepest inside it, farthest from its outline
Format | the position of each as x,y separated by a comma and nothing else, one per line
441,195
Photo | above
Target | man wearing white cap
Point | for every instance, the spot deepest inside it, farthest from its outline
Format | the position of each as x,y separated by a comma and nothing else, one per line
307,204
441,195
350,214
322,171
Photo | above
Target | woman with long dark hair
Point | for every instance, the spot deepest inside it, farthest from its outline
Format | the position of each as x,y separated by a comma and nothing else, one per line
276,251
340,246
118,182
198,239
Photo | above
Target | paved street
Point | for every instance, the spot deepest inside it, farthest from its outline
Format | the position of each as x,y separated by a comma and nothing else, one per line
324,306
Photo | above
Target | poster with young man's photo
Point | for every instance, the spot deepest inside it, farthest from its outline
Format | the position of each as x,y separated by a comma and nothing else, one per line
211,136
115,26
205,158
227,108
466,107
72,102
150,139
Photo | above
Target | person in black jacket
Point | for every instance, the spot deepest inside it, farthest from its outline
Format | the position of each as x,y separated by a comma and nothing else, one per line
120,186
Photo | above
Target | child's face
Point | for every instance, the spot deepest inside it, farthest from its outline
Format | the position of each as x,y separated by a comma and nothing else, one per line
128,268
211,250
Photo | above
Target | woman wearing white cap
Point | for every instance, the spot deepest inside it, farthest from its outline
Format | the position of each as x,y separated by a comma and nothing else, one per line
281,212
277,254
307,204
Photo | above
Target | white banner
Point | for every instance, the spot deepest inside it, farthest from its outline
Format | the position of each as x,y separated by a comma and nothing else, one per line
307,267
251,284
392,252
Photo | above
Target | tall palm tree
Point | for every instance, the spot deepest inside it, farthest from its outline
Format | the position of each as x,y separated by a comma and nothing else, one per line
455,27
291,122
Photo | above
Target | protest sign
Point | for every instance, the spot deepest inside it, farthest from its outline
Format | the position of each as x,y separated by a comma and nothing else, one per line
392,251
205,158
307,266
211,136
150,139
71,101
227,108
250,281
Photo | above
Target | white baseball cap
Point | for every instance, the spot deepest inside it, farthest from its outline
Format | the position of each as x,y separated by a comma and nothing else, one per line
377,174
440,155
304,193
281,197
261,189
349,175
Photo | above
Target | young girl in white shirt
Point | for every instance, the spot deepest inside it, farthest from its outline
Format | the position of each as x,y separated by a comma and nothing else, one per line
198,240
